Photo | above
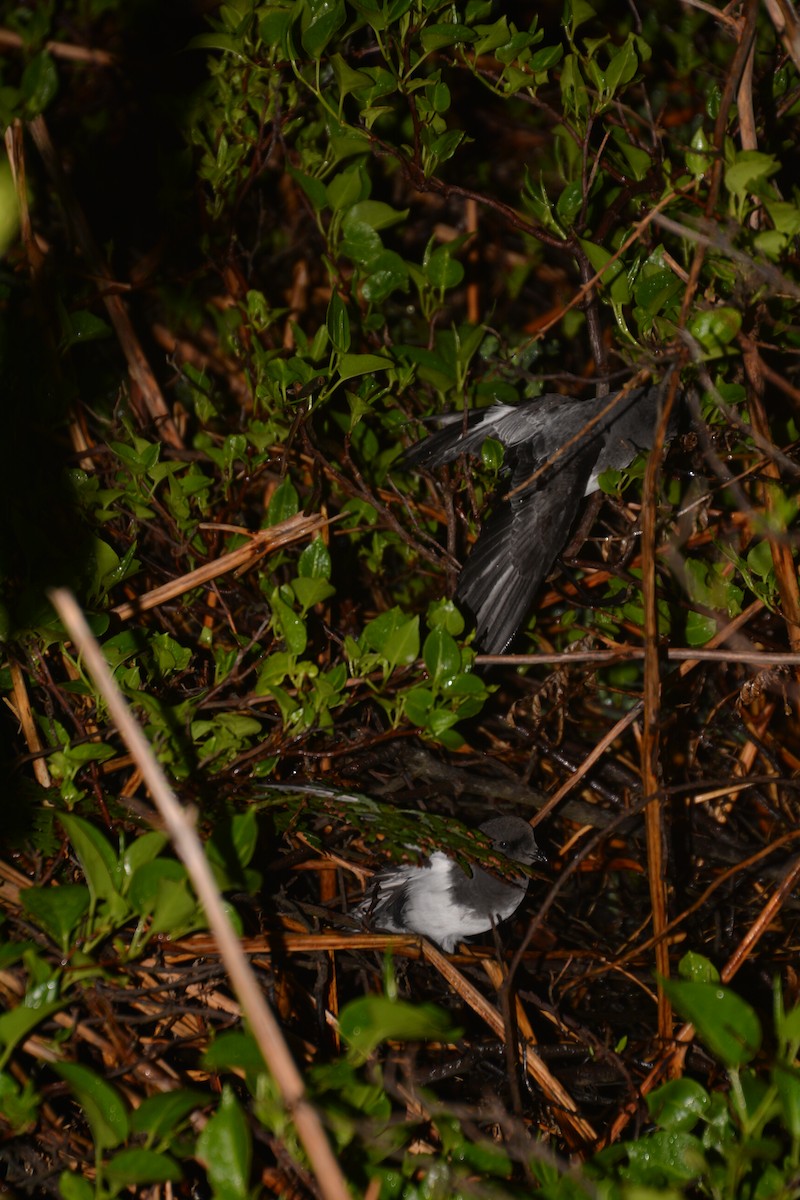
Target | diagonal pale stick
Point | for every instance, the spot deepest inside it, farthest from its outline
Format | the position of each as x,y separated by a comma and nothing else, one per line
555,1092
291,530
179,824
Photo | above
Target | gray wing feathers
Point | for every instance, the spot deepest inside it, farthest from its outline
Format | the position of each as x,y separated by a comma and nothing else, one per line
521,539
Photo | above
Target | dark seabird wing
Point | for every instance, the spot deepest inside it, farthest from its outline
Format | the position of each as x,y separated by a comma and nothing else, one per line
523,536
518,545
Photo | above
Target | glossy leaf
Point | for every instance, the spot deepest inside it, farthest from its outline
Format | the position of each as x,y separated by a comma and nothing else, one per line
367,1022
225,1149
138,1167
98,860
727,1024
104,1107
58,910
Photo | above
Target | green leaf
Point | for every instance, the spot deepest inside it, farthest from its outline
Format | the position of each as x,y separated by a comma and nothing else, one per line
346,188
387,273
600,259
58,910
441,655
75,1187
233,1051
338,323
159,1116
401,647
352,365
441,269
98,860
147,880
577,13
315,561
787,1083
138,1167
361,243
749,169
678,1104
217,41
696,968
19,1107
698,160
547,57
370,1020
727,1024
700,628
418,703
465,684
143,849
17,1023
489,37
348,78
225,1149
715,328
310,592
104,1107
289,626
665,1157
274,26
284,503
39,83
176,910
314,188
83,326
320,21
375,214
436,37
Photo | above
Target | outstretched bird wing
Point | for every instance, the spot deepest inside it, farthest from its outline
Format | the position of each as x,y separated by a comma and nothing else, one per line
519,543
521,539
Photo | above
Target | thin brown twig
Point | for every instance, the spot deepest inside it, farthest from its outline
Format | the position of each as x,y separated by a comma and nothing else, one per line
555,1092
757,658
624,722
139,368
264,542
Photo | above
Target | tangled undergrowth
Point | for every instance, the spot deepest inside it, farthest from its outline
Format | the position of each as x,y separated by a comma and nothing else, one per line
248,250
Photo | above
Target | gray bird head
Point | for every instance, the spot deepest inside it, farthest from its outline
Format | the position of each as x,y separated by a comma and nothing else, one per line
513,837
